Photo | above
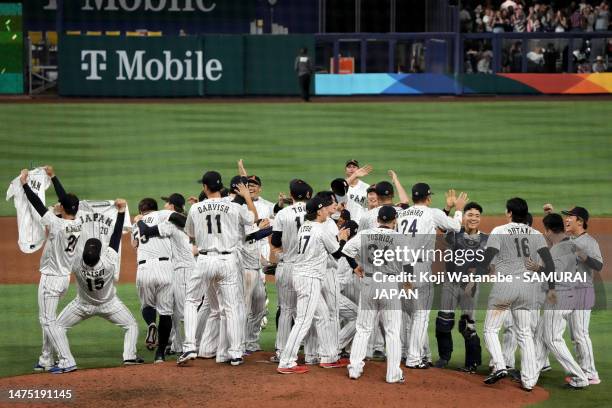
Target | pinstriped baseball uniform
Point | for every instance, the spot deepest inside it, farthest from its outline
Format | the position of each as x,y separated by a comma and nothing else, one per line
58,255
154,273
314,244
419,224
357,200
218,228
288,221
580,319
555,316
96,296
390,310
31,232
515,242
98,218
183,264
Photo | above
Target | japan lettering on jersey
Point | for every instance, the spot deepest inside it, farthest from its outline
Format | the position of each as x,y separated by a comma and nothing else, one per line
516,243
60,249
95,284
31,232
182,256
288,221
152,247
218,224
357,200
315,243
98,219
419,224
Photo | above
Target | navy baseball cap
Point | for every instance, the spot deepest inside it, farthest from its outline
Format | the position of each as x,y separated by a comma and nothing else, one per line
175,199
352,162
254,180
387,213
70,202
420,191
236,180
340,187
352,226
212,180
384,189
313,205
579,212
299,189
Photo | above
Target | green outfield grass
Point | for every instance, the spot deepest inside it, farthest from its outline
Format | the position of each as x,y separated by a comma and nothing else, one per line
97,343
542,150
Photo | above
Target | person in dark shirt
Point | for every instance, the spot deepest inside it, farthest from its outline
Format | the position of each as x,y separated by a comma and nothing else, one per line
304,68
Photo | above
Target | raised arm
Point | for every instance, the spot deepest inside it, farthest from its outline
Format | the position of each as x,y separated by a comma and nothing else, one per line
59,189
241,170
360,172
115,239
403,196
32,197
243,191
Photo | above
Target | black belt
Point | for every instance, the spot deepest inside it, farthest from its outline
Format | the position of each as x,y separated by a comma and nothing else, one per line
214,253
163,258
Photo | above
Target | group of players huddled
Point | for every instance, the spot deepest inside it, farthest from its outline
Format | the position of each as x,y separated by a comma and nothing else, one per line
201,277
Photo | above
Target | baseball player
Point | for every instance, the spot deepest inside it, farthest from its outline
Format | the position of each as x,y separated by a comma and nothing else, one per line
357,192
419,224
553,322
31,231
287,223
154,278
590,262
453,295
370,305
512,243
58,254
218,228
314,243
96,295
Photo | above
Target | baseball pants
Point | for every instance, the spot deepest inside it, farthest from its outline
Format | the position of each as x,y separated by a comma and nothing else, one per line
155,286
519,298
310,305
179,288
50,290
416,329
202,317
287,300
579,322
114,311
257,312
390,311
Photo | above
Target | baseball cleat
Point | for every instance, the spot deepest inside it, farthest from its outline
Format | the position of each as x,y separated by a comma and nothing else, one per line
275,359
298,369
427,362
545,369
133,361
345,354
236,361
441,363
526,389
469,369
515,375
313,361
39,368
62,370
400,381
594,381
420,366
186,356
151,339
496,376
573,386
343,362
159,357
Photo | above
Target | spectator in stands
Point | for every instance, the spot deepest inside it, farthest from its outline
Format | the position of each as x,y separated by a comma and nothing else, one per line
589,17
602,16
599,65
576,20
519,21
484,64
508,3
535,60
533,21
513,58
560,23
465,19
488,19
550,58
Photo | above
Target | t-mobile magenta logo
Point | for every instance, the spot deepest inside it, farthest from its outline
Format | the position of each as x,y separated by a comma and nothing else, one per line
93,61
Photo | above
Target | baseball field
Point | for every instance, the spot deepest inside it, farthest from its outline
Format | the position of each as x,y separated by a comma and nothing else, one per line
557,151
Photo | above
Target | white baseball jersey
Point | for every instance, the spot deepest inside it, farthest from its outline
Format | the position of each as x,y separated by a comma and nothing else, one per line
315,243
288,221
332,228
516,242
590,247
60,249
423,220
265,208
182,257
564,257
31,232
357,200
98,219
95,284
218,224
152,247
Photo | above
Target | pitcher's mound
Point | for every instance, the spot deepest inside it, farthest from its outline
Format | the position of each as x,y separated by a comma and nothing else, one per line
256,384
